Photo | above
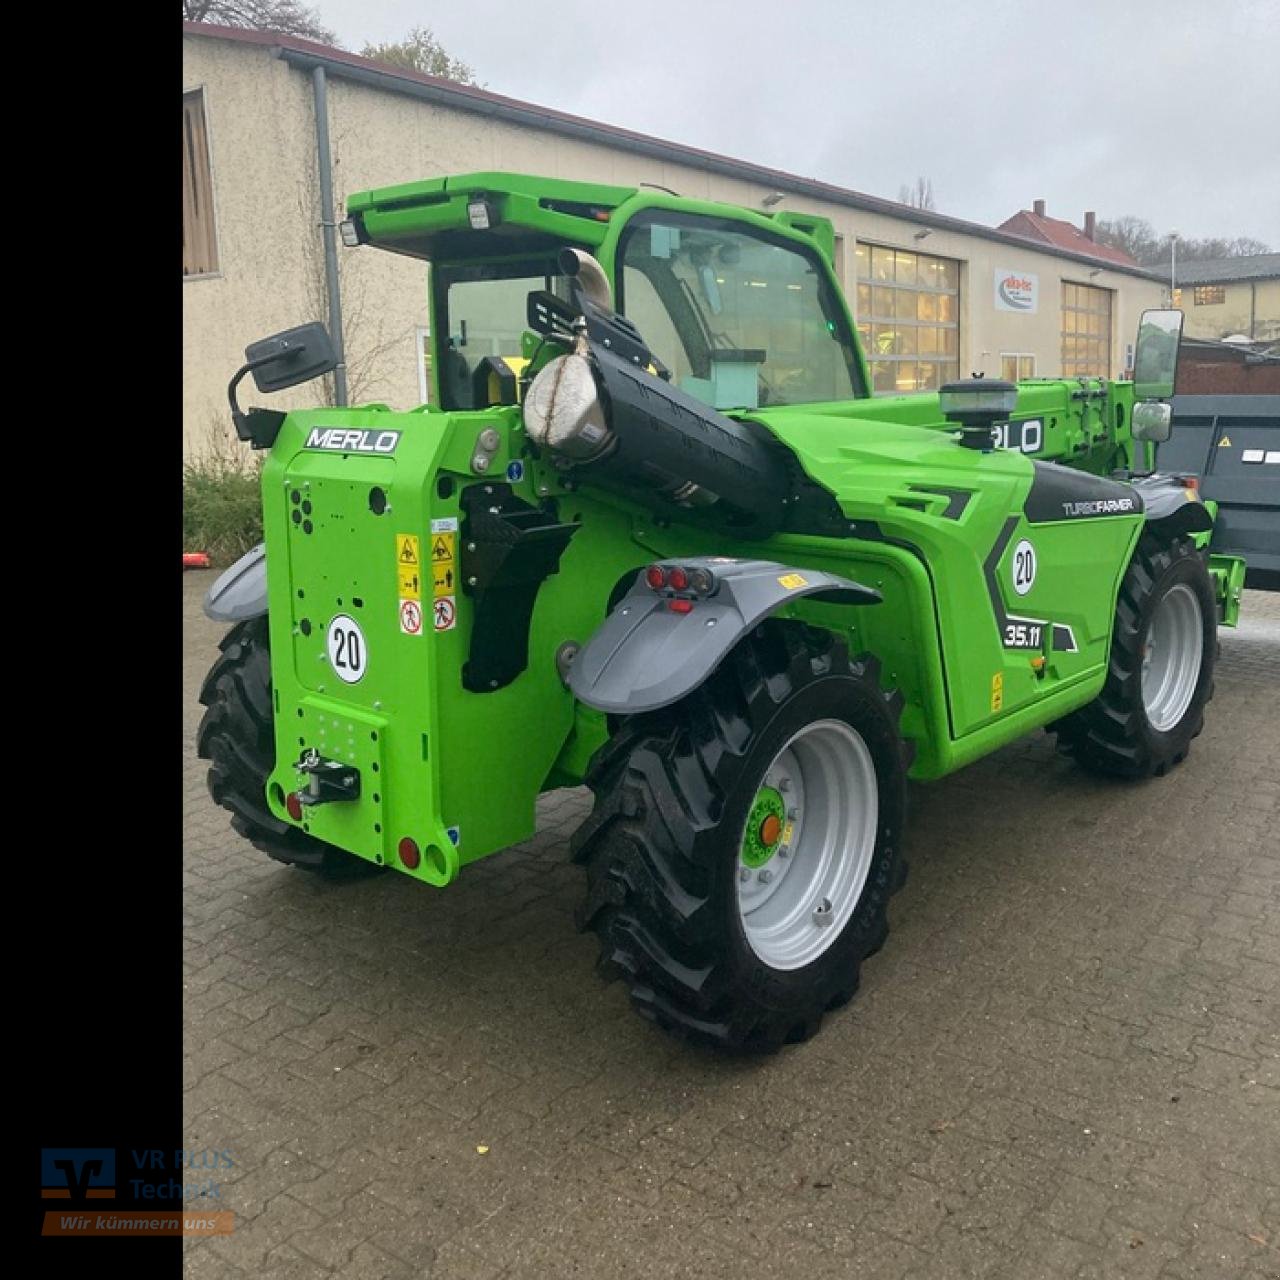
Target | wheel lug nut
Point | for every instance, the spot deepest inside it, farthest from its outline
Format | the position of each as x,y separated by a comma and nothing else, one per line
744,875
793,813
784,784
765,876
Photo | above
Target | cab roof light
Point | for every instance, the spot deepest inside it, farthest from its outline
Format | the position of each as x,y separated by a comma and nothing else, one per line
481,214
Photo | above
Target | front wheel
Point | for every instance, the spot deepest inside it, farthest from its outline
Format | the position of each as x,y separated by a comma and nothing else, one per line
745,842
1160,674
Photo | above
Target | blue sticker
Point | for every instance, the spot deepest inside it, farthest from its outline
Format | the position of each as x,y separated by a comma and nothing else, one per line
454,834
515,471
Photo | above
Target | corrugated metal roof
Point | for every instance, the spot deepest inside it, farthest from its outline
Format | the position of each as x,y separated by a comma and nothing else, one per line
1257,266
307,54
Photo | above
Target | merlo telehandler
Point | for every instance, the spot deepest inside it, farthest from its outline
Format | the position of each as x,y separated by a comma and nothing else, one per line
653,534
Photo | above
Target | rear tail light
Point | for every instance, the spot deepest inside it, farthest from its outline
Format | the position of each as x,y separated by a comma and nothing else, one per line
410,855
679,578
680,606
293,806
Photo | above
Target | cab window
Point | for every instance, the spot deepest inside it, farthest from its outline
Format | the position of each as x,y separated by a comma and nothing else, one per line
481,311
742,320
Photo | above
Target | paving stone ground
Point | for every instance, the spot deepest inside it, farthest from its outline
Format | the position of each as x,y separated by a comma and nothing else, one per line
1065,1063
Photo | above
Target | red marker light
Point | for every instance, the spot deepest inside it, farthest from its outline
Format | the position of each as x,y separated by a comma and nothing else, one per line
656,576
680,606
678,579
409,853
293,805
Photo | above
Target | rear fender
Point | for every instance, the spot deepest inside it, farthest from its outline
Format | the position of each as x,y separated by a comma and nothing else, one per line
645,655
1171,507
241,591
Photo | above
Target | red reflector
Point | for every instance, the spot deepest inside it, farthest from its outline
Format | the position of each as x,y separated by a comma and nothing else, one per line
681,606
409,854
678,579
656,576
293,804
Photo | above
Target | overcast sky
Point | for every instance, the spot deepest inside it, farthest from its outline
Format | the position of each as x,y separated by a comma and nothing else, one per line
1168,109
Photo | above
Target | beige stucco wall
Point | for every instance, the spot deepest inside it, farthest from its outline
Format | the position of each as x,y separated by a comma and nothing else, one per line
262,138
1259,299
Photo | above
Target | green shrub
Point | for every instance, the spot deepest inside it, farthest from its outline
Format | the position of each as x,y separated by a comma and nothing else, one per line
222,500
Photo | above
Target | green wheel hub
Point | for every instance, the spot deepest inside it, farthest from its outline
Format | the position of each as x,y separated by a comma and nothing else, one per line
765,824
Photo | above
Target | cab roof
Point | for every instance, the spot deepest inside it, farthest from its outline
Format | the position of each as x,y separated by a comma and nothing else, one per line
430,219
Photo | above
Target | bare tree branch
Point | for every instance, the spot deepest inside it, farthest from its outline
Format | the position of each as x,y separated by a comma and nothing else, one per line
918,195
289,17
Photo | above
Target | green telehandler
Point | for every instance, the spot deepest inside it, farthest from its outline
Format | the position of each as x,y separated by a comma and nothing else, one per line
653,534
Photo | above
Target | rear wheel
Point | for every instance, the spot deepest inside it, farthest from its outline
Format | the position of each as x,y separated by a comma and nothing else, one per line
236,736
745,842
1160,675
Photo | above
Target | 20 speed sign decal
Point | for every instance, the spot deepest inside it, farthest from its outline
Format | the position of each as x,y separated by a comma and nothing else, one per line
348,653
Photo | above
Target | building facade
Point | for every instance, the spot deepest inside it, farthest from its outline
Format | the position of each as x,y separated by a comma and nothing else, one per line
1231,297
934,297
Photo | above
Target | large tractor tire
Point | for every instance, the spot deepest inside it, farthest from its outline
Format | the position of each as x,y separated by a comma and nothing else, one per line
237,738
745,842
1160,675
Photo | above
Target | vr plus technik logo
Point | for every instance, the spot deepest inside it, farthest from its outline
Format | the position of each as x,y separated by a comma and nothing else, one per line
78,1173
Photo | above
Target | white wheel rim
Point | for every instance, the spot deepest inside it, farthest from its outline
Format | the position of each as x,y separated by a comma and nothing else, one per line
1171,655
794,905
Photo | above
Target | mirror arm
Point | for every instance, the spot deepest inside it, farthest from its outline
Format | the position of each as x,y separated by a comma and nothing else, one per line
241,419
237,414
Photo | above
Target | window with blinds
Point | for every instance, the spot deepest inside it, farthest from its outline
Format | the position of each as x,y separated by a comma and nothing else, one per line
1086,331
909,318
199,237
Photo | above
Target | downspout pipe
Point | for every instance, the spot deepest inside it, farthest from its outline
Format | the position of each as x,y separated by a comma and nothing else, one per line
329,230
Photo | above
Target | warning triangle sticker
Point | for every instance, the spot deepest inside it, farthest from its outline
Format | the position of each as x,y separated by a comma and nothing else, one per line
407,554
442,549
1225,442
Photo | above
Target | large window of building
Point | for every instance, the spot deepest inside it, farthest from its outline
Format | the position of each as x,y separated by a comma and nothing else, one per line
909,318
199,236
1016,365
1086,331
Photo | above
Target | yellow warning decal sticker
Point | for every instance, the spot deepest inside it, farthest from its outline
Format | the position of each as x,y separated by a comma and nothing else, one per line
443,580
408,549
997,691
410,576
792,581
1225,442
442,547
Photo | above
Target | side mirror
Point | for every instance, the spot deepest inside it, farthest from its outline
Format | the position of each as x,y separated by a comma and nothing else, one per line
1152,421
1155,361
290,358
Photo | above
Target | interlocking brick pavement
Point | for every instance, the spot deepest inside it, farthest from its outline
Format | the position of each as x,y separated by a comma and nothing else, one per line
1065,1063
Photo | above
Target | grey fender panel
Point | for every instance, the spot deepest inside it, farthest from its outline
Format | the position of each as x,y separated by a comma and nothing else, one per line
1170,506
644,656
241,591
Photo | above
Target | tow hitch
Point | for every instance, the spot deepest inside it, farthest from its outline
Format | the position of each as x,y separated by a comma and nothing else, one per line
327,780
